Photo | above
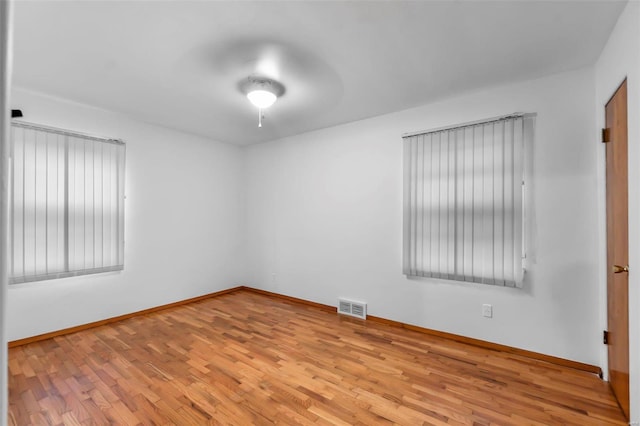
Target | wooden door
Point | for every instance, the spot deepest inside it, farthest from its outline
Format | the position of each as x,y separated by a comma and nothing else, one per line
618,246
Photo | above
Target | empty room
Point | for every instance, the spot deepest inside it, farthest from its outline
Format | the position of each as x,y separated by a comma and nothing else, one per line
320,212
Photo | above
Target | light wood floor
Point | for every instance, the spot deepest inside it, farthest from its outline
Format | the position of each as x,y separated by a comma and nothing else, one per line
247,359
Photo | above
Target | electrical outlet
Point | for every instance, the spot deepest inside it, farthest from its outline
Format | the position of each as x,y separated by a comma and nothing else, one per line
487,311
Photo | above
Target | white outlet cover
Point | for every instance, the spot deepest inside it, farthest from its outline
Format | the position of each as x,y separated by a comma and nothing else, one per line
487,311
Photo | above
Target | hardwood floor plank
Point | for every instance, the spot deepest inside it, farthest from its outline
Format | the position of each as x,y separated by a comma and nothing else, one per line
246,358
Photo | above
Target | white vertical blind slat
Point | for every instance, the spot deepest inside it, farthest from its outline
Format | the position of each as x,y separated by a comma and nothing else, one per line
120,203
518,179
464,202
467,205
71,208
432,211
121,197
28,204
498,204
414,195
12,197
459,205
451,206
509,201
406,222
418,211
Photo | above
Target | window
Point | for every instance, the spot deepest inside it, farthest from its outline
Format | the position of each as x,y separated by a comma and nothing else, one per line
66,203
464,201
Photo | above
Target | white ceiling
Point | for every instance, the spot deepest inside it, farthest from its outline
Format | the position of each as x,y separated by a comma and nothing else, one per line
179,63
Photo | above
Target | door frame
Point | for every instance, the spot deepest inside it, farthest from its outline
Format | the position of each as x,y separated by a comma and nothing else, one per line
6,33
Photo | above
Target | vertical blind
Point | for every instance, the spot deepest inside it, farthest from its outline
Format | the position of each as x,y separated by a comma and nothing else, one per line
464,201
66,203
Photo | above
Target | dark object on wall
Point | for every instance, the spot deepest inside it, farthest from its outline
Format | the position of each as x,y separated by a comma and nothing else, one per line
16,113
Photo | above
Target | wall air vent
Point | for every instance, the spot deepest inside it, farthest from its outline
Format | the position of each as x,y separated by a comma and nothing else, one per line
352,308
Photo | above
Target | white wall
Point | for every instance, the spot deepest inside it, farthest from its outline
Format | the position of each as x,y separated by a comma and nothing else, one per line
183,223
324,220
6,25
619,59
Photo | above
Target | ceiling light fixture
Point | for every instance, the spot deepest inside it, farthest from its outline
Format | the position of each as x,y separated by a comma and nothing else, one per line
262,98
262,92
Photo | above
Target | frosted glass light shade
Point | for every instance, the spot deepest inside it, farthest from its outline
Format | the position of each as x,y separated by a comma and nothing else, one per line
261,98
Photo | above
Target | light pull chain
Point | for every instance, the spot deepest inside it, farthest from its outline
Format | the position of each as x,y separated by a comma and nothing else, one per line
259,117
